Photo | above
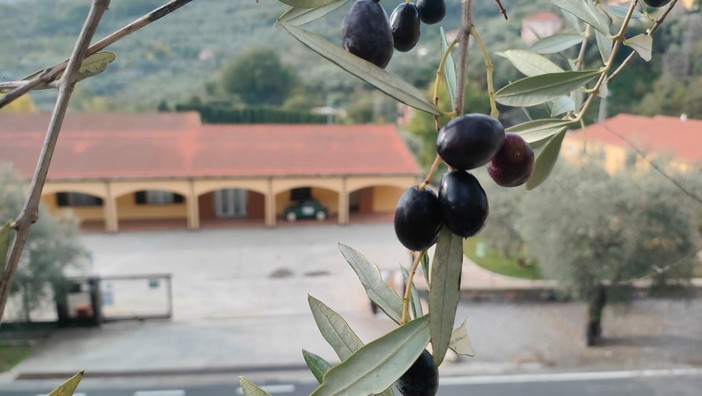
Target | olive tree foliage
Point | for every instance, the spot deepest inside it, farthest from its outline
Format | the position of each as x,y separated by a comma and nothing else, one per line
597,232
258,76
52,247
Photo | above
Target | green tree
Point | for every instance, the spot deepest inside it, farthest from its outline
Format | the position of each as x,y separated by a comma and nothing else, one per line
594,232
259,77
52,247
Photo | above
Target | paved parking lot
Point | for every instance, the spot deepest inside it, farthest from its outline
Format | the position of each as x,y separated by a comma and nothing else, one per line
226,273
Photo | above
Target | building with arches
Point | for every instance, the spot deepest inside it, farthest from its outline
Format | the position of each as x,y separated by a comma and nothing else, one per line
113,169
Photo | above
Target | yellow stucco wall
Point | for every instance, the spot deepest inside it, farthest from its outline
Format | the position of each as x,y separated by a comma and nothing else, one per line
127,209
385,198
84,213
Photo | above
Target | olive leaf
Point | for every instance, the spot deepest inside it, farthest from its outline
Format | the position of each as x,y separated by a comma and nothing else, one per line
642,44
415,301
425,269
460,343
604,45
584,11
377,365
5,238
562,104
531,91
68,387
306,3
377,290
300,16
538,130
546,158
621,11
449,70
556,43
317,365
445,292
530,63
334,329
92,65
248,388
391,84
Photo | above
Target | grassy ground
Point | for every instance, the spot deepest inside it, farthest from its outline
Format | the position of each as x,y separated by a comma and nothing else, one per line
10,355
491,260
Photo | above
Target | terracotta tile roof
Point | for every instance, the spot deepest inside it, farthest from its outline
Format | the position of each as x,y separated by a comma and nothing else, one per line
542,16
140,146
662,135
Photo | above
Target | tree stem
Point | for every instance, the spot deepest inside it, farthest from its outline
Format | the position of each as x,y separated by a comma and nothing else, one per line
408,287
463,41
29,213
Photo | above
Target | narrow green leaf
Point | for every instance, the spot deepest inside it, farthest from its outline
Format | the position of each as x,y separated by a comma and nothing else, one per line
530,63
603,92
562,104
300,16
620,12
642,44
248,388
604,45
425,269
445,293
531,91
91,65
68,387
449,69
545,161
306,3
377,290
556,43
376,366
5,238
584,11
538,130
415,301
460,343
317,365
334,329
388,83
573,21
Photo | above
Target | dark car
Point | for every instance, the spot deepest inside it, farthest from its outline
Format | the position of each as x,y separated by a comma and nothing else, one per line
307,209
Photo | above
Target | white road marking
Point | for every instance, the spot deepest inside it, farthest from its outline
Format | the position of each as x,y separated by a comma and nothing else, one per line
273,389
564,377
170,392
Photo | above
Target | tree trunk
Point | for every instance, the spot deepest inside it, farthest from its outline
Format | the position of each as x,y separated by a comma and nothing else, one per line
595,308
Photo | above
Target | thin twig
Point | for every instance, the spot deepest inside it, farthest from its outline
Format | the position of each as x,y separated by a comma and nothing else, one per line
463,40
408,287
650,32
28,214
489,69
51,73
502,9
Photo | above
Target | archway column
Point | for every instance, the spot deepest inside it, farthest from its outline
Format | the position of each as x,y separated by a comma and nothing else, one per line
193,210
343,203
110,207
269,208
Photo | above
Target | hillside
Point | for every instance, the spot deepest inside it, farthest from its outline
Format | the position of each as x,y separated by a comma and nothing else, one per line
173,58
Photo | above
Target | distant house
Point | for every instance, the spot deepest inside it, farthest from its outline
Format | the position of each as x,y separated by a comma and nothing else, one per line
541,24
118,169
618,138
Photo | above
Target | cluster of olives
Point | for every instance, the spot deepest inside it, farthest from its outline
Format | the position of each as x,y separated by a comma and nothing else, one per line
464,143
368,34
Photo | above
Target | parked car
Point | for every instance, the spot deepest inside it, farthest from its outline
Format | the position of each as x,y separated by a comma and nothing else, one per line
307,209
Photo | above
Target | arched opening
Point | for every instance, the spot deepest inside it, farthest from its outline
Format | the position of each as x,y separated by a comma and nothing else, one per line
151,209
307,203
373,203
231,207
88,208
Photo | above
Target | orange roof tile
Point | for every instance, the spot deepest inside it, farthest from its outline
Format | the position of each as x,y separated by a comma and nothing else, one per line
165,145
542,16
662,135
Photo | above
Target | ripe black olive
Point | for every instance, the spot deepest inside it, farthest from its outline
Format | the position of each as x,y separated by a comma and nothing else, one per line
417,219
404,22
366,32
463,203
470,141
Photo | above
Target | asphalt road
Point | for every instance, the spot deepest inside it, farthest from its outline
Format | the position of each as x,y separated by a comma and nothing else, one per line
678,382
